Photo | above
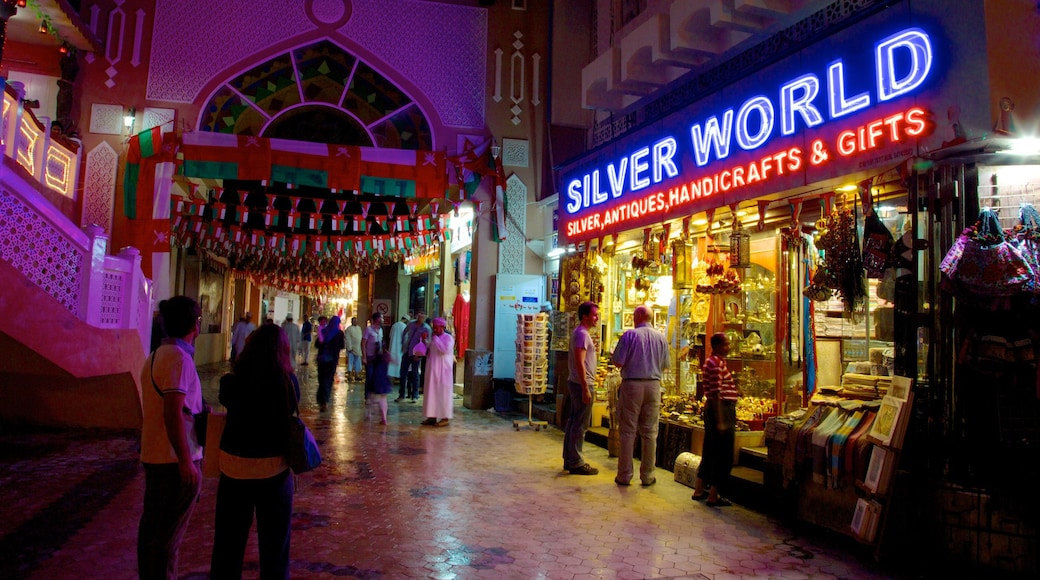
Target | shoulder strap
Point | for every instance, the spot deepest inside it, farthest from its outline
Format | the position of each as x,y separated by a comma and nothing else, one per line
291,386
151,375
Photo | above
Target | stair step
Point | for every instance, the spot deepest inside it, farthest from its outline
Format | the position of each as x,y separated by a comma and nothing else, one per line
597,436
753,457
748,474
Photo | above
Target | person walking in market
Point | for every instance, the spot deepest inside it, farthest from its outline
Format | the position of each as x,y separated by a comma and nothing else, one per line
371,348
239,333
395,349
642,356
439,376
417,331
580,380
720,422
354,334
330,343
292,332
305,340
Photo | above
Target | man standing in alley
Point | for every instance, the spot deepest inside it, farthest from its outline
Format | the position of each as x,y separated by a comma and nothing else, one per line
171,396
642,356
292,332
580,380
242,329
305,340
354,334
417,331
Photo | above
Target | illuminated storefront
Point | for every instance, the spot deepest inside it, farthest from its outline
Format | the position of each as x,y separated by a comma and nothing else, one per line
793,211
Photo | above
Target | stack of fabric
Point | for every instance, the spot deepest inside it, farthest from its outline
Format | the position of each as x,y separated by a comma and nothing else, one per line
860,386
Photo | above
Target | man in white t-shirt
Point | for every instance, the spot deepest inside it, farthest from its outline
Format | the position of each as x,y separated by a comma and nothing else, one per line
171,396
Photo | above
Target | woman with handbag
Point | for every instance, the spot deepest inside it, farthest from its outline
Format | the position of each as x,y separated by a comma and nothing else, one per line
331,341
260,396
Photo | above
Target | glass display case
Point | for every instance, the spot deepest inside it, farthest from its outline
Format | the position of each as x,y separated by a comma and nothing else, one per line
748,317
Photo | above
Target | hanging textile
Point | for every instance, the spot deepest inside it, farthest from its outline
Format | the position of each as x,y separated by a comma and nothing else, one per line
460,317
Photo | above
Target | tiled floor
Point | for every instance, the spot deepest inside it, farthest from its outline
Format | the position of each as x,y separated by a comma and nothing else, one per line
475,499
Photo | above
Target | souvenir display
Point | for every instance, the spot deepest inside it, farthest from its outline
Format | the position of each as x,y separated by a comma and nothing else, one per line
983,262
842,267
532,353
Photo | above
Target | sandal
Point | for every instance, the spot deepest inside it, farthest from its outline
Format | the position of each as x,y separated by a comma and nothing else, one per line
721,502
699,496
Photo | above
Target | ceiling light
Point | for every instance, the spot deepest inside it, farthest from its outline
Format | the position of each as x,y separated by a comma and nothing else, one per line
847,188
1025,146
555,253
700,222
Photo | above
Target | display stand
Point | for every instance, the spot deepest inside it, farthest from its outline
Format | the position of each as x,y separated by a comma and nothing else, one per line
532,362
887,434
536,425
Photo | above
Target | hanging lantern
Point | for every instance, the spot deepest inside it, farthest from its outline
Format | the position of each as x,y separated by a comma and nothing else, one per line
739,246
682,264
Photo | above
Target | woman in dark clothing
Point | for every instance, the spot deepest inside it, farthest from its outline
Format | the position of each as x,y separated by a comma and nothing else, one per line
381,385
330,342
260,396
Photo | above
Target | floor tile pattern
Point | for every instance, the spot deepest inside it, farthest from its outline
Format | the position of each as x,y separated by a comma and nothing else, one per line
474,499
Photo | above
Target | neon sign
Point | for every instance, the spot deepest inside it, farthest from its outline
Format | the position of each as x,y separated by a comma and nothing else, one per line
902,64
869,136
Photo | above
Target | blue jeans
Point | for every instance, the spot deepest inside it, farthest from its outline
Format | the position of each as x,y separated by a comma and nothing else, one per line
577,423
237,499
353,363
167,507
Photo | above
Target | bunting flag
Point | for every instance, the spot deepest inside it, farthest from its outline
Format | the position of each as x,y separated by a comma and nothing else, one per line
221,156
141,146
379,171
498,202
471,165
763,205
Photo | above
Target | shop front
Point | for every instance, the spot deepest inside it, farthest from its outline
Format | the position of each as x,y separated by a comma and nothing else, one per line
792,211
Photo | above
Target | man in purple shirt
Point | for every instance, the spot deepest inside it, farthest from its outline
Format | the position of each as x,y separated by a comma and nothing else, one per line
642,355
579,384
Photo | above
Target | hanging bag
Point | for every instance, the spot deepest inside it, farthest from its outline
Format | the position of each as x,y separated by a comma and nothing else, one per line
989,265
304,454
1026,238
877,246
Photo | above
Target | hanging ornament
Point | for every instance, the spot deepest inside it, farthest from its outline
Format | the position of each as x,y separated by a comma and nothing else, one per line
763,204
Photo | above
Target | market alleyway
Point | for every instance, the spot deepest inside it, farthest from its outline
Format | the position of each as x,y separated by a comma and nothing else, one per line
475,499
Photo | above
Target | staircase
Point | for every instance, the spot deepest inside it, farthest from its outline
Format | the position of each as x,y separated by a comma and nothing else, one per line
75,322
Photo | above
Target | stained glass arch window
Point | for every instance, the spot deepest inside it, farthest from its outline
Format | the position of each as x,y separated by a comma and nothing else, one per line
321,93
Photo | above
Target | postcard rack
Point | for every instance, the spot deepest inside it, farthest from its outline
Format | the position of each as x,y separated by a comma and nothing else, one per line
532,362
887,435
